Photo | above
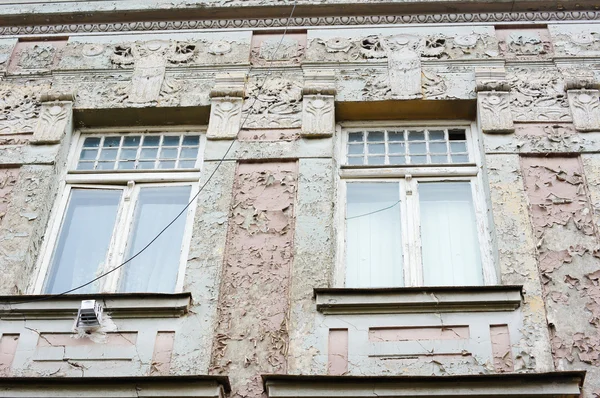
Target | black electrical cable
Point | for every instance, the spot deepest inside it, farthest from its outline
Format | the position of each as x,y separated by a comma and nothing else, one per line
43,298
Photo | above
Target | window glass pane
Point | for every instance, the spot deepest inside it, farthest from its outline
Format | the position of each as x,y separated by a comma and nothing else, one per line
91,142
191,140
111,142
155,270
450,244
373,240
131,140
378,160
429,146
187,164
83,241
126,147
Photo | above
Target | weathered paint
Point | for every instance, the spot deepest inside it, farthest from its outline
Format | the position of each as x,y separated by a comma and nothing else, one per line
567,244
337,351
501,349
163,351
8,348
251,335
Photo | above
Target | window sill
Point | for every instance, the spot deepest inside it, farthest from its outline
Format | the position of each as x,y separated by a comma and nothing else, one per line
541,385
418,299
193,386
117,305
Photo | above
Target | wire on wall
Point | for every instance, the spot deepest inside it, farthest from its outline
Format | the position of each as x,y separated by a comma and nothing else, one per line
242,124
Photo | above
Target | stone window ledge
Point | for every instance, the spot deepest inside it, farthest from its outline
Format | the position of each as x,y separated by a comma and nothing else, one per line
523,385
117,305
418,299
196,386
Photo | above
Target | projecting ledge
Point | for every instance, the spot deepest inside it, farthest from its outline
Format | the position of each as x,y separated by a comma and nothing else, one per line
117,305
193,386
418,299
523,385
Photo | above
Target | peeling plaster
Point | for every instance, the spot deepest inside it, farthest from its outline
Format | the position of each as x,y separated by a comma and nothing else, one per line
251,335
568,251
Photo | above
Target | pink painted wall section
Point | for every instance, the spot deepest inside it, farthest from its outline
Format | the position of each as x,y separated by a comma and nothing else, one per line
337,362
252,324
419,333
8,348
568,248
163,351
501,349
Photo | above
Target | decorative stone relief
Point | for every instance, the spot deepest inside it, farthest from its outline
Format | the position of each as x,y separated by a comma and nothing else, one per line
36,56
493,101
434,84
55,115
274,102
403,78
583,92
150,58
269,47
19,108
227,97
585,108
6,48
538,95
447,45
524,43
318,105
578,40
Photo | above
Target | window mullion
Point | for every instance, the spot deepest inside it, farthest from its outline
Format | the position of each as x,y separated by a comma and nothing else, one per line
490,276
121,236
414,269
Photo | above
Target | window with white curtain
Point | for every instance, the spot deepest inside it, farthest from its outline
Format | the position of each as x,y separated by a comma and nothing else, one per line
415,211
121,190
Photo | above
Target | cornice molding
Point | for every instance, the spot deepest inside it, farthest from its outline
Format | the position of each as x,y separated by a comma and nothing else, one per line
300,22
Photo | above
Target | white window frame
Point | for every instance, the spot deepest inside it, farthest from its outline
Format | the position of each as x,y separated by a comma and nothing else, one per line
408,177
130,182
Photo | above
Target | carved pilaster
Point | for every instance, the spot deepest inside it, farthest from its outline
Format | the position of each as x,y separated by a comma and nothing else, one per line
583,95
55,118
227,98
493,101
318,114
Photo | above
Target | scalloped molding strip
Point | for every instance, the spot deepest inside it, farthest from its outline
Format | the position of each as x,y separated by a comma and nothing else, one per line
544,16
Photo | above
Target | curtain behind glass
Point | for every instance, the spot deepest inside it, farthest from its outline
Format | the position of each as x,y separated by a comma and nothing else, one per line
450,244
84,237
155,270
373,241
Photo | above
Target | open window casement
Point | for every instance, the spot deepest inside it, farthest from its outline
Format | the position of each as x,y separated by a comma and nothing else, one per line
413,213
114,205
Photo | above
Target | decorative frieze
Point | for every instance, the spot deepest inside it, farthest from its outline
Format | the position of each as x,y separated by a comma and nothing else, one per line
55,117
538,95
19,107
582,40
493,101
275,48
273,102
531,43
318,105
361,45
36,56
227,98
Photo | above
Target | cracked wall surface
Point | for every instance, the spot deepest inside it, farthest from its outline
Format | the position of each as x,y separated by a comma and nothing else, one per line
266,230
562,216
252,331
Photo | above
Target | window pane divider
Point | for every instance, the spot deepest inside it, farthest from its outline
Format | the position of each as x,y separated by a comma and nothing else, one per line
468,170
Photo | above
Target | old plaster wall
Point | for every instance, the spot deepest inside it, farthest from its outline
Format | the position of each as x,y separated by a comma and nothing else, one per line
516,253
562,216
252,331
313,262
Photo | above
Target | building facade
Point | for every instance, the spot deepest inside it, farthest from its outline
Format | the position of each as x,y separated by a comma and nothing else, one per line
300,198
